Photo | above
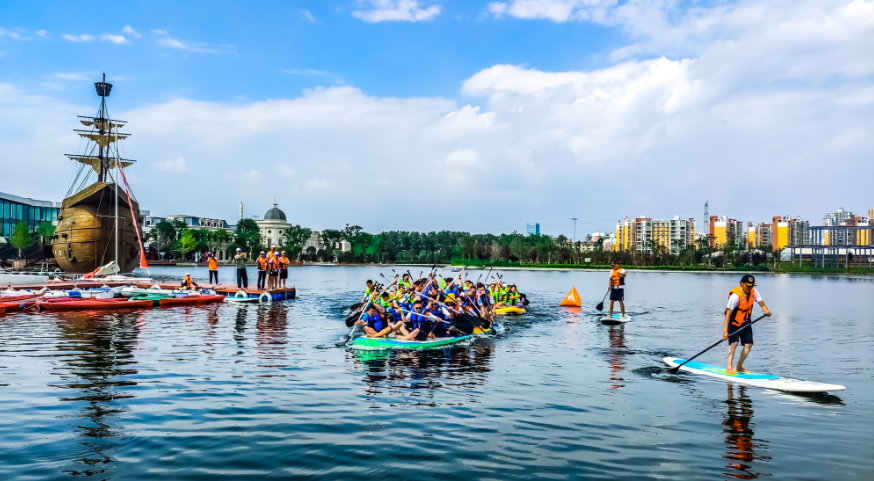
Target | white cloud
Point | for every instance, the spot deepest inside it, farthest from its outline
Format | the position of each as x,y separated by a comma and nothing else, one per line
315,73
555,10
309,16
159,31
11,34
463,158
196,47
460,123
41,33
397,10
76,76
116,39
131,31
78,38
315,185
174,165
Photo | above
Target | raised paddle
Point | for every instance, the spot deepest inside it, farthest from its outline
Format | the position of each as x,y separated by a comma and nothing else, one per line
600,306
674,370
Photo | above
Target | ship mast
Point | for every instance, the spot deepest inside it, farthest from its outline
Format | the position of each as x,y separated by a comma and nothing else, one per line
105,135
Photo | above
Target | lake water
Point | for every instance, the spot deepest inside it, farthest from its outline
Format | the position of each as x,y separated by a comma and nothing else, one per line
239,392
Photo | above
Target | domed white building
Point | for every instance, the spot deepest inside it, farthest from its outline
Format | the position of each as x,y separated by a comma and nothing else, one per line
273,226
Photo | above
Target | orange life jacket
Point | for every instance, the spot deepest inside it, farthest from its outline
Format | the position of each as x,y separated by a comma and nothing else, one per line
616,279
283,262
275,263
213,265
186,282
262,263
744,308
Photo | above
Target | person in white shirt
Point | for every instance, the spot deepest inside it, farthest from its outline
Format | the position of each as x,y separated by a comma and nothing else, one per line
741,300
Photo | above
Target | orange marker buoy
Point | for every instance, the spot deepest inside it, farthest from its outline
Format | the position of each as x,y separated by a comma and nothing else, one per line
572,299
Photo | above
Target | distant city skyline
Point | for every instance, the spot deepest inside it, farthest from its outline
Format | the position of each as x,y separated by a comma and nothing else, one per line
530,109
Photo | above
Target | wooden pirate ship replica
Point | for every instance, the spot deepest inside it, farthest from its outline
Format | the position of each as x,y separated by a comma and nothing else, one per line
99,219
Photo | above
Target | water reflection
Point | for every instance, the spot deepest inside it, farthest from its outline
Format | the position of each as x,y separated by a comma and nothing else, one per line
95,352
742,448
616,356
456,367
272,336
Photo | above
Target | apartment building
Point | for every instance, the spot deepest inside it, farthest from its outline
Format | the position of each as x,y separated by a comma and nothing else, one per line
758,235
635,234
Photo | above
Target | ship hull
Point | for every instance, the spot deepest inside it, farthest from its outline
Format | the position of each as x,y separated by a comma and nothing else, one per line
85,236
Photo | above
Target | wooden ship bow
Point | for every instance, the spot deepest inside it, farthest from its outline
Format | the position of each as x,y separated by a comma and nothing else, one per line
96,222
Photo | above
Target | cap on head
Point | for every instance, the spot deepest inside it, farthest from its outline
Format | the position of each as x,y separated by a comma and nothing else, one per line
187,274
450,298
283,252
239,250
262,253
748,280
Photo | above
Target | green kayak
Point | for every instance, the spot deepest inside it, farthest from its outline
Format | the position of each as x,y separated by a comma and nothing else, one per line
379,343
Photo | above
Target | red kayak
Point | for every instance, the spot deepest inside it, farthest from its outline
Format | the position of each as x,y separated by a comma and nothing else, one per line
2,310
70,304
189,300
18,305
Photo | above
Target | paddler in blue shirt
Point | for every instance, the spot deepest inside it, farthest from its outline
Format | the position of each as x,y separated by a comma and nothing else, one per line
376,323
741,300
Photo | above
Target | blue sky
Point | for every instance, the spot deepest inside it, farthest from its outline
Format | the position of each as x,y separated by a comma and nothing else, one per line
537,110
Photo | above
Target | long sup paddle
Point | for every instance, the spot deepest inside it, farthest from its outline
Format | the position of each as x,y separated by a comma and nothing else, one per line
600,306
674,370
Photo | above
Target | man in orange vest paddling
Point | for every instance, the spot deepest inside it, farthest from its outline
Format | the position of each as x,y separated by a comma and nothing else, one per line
617,288
741,300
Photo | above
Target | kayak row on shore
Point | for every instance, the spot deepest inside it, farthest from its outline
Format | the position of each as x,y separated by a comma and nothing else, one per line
107,298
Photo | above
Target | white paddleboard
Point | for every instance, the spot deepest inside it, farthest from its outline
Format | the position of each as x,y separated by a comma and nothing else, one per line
766,381
615,320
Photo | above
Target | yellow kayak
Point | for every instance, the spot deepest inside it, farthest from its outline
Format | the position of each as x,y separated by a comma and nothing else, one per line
510,310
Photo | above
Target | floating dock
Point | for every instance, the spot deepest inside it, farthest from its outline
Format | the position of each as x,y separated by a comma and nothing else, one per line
227,290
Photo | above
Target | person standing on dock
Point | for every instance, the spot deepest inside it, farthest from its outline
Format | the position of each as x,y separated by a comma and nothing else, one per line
737,315
262,270
212,265
283,270
617,288
272,270
242,276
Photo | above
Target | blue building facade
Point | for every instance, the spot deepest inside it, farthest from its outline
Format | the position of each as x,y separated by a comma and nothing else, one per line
33,212
533,228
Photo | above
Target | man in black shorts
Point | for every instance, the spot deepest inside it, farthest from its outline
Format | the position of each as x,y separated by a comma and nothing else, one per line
617,288
741,300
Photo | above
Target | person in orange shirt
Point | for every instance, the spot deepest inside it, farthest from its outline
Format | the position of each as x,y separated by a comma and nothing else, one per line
272,270
212,265
283,270
261,262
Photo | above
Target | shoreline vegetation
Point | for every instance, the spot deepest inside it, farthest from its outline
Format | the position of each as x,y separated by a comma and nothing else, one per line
514,250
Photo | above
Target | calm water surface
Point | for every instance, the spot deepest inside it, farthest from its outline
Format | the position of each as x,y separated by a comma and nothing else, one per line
238,392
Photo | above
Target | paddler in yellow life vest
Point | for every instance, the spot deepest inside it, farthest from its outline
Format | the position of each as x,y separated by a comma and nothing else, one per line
187,282
617,288
512,296
741,300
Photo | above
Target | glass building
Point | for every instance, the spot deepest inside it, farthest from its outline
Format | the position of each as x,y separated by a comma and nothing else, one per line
33,212
533,228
